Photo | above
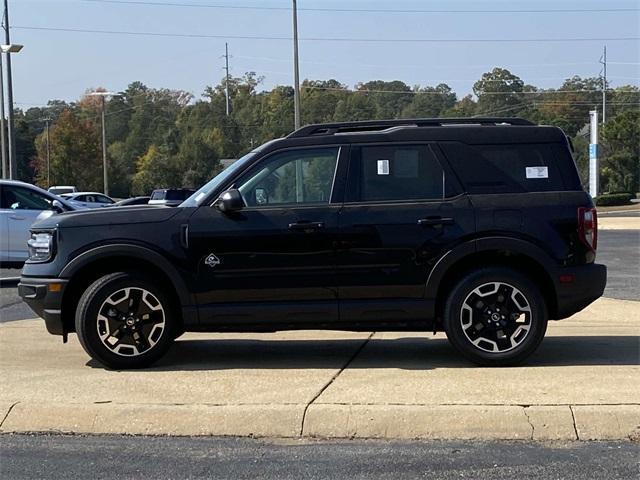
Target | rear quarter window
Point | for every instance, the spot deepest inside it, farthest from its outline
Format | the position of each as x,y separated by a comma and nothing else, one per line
512,168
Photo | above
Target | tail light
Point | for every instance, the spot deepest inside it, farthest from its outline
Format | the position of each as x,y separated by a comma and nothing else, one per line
588,227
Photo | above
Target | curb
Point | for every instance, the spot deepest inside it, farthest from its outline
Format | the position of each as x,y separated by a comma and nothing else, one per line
331,421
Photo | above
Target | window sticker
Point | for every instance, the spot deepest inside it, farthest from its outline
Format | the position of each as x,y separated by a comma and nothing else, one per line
383,167
537,172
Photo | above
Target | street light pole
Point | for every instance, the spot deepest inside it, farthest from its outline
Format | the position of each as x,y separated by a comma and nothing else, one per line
3,132
296,73
12,141
48,155
105,175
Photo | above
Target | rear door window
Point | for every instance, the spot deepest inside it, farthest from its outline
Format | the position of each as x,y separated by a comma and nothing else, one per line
506,168
394,173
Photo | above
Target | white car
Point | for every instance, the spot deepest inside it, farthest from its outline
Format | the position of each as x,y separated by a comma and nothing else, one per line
88,199
62,189
21,204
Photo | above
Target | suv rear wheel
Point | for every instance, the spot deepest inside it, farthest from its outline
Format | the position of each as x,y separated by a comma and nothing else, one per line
125,321
495,317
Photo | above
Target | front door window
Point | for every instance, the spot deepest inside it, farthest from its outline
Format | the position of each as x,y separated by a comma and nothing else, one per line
292,178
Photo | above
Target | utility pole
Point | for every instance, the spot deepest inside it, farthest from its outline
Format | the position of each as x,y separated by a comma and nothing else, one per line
296,72
105,175
3,133
226,78
48,153
13,170
603,61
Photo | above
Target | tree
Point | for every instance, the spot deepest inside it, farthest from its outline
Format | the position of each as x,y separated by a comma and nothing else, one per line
430,102
499,92
621,153
155,169
75,153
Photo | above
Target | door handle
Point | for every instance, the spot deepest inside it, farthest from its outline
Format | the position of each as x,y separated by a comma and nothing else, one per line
430,221
306,227
16,217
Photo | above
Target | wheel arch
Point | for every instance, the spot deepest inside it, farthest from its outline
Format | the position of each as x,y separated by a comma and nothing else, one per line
97,262
526,257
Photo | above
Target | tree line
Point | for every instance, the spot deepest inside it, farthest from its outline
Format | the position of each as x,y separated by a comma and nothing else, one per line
165,138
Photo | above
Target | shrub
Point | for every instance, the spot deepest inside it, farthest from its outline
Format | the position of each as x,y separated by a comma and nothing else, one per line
610,199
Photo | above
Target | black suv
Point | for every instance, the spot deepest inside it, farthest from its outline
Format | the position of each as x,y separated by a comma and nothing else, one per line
476,227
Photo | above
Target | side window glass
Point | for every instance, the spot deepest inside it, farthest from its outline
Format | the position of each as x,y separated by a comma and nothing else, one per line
399,172
295,177
23,199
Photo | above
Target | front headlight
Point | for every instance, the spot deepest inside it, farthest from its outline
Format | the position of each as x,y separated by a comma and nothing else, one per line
40,247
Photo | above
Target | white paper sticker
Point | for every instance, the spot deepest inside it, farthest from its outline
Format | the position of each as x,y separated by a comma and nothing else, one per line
537,172
383,167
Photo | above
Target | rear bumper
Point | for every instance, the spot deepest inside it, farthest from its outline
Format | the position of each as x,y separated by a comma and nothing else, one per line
45,300
587,286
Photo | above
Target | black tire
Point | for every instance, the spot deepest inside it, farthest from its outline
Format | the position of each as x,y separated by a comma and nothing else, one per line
140,341
509,332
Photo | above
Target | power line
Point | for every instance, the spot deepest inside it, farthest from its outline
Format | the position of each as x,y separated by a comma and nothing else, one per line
333,39
359,10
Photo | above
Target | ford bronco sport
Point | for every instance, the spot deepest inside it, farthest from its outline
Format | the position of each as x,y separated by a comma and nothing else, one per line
475,227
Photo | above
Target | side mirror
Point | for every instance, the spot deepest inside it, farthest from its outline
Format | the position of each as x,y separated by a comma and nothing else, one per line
230,201
57,206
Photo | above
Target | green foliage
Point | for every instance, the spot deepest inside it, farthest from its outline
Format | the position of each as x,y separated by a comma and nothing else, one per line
612,199
163,138
75,153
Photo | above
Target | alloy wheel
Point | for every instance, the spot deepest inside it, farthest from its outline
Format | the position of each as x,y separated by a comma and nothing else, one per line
496,317
130,321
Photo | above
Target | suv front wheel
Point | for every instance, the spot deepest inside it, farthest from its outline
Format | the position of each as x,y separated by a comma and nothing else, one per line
124,320
495,317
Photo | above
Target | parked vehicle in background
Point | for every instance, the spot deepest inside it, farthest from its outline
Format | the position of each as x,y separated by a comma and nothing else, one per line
21,204
170,196
62,189
132,201
89,199
478,227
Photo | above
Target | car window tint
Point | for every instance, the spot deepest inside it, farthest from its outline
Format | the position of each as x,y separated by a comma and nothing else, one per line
157,195
506,168
17,198
532,166
294,177
397,172
103,199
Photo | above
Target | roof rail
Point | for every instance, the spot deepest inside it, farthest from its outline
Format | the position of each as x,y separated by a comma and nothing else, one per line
379,125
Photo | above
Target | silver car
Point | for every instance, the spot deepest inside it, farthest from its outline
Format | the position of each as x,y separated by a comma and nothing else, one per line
21,204
88,199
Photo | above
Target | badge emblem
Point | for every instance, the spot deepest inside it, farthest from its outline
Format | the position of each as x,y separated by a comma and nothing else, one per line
212,261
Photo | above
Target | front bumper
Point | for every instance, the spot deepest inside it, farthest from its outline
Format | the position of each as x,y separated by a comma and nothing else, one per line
44,297
587,285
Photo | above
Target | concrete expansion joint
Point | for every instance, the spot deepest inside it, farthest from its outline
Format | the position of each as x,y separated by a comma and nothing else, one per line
332,379
8,412
575,426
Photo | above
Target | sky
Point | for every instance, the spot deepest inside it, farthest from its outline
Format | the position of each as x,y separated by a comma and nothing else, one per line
394,42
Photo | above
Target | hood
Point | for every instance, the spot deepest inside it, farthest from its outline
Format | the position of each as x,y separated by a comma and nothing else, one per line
135,214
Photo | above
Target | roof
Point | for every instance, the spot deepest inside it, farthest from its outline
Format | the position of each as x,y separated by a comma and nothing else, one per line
73,194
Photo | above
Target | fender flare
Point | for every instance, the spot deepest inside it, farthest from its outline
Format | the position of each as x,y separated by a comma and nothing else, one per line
131,250
497,243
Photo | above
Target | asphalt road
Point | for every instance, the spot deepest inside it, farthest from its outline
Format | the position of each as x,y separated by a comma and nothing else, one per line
618,249
118,457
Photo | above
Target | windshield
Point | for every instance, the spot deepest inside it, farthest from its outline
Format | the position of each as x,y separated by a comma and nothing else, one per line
196,199
61,190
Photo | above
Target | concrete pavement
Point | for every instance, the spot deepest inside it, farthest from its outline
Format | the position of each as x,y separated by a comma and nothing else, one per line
581,384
